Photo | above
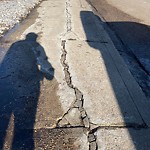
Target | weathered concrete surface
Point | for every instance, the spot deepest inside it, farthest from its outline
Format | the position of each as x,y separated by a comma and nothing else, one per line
49,39
71,138
61,81
33,87
49,24
99,72
129,30
108,99
120,139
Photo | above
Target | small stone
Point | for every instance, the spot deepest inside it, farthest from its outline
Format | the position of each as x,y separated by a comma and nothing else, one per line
78,104
83,114
86,122
91,138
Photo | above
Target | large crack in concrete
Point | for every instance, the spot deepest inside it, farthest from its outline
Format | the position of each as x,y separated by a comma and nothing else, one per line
78,101
79,98
91,128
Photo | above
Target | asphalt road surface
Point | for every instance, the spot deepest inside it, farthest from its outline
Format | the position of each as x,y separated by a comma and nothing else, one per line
128,24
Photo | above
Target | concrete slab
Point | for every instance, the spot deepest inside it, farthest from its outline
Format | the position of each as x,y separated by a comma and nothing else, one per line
106,98
83,22
72,118
96,90
123,139
136,51
55,97
106,77
73,138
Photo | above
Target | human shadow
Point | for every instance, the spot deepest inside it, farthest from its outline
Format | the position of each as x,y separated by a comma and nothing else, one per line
23,68
140,139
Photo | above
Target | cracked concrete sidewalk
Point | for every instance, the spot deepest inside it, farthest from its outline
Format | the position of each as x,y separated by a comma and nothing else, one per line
92,102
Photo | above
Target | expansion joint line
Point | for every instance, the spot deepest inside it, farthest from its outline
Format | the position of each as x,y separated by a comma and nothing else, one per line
79,99
68,16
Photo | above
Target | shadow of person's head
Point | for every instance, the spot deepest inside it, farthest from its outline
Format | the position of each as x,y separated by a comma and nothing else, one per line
31,37
41,58
30,59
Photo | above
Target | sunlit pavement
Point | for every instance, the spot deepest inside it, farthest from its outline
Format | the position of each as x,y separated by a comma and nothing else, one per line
63,85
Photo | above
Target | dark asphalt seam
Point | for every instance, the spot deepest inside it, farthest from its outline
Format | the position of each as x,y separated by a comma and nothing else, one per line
90,41
95,9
